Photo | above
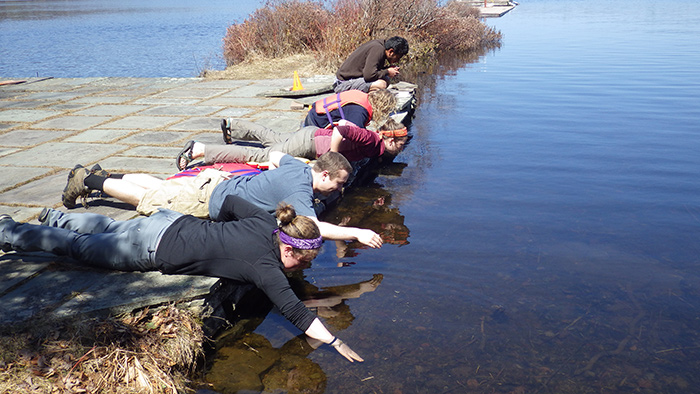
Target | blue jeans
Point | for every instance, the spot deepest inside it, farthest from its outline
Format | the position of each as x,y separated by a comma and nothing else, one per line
94,239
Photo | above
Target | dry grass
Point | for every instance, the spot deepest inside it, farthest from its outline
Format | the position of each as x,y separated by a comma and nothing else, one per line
273,68
144,353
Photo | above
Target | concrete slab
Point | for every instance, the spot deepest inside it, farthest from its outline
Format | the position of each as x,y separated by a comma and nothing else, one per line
67,106
182,110
112,110
7,104
233,112
26,115
129,165
153,138
166,101
7,151
102,100
20,214
191,93
219,84
62,154
99,135
16,268
238,102
43,192
70,122
149,288
26,138
197,124
141,122
45,292
204,137
15,176
153,151
253,90
52,96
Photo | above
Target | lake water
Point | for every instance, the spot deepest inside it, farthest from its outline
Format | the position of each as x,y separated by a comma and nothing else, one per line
544,223
125,38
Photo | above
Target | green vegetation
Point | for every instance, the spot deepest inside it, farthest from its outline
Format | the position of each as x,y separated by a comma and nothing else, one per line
326,32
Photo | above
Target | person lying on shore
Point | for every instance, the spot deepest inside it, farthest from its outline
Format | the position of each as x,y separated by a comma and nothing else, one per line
355,106
309,142
203,196
365,68
246,245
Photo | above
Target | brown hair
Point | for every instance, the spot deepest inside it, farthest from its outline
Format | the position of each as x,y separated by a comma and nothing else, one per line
298,227
333,162
391,124
382,102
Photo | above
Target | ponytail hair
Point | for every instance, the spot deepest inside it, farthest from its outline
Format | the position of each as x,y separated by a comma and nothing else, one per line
301,232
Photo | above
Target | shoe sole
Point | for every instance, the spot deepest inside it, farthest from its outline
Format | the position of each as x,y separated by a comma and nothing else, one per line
44,215
5,247
226,131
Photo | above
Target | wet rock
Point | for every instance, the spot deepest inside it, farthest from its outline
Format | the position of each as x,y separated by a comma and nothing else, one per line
296,375
241,366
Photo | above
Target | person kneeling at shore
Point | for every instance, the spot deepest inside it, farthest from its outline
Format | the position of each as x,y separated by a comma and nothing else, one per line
309,142
247,246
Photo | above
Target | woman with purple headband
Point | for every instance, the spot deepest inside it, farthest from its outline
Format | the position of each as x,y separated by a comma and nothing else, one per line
246,245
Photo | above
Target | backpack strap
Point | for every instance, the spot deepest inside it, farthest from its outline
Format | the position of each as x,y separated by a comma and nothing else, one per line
327,104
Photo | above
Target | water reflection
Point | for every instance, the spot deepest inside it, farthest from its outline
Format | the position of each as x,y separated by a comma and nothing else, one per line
247,361
369,205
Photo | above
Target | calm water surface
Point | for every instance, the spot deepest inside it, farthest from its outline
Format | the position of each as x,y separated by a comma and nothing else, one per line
542,226
126,38
551,202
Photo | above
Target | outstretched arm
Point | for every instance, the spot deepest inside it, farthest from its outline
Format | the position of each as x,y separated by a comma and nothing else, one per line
275,157
362,235
319,332
336,139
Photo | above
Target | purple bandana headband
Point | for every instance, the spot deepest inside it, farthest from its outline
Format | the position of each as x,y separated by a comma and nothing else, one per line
299,243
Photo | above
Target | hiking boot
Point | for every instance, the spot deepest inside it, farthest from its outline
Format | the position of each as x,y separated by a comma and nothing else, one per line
97,170
44,216
75,187
233,130
4,221
226,130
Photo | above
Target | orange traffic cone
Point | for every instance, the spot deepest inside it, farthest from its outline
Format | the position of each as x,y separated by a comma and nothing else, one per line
297,82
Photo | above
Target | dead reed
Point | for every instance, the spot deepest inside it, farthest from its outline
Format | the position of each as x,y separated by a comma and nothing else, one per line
142,353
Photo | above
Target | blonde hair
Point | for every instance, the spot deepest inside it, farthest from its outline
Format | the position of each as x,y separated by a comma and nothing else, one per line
383,102
297,227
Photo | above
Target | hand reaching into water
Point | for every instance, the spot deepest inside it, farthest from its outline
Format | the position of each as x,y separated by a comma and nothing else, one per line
345,351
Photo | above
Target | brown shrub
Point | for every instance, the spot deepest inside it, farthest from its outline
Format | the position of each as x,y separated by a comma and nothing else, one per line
279,28
285,27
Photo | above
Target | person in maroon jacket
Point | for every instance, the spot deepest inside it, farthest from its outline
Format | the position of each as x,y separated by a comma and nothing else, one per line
309,142
247,246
